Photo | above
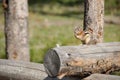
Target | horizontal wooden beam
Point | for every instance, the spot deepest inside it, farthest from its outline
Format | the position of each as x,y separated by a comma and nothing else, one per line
83,60
18,70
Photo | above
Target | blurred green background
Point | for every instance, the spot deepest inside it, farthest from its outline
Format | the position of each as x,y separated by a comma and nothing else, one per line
52,22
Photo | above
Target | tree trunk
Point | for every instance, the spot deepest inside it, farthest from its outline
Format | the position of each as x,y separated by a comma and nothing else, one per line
94,17
16,30
83,60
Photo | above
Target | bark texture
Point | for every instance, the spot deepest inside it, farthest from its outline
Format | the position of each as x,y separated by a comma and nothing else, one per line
16,30
83,60
94,17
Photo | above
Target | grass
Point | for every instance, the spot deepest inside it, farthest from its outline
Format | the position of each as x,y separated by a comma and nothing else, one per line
2,45
54,25
111,33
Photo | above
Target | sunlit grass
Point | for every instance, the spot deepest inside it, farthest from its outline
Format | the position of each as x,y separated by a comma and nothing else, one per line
111,33
44,38
2,44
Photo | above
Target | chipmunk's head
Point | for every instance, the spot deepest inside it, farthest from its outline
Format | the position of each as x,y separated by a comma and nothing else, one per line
83,35
79,33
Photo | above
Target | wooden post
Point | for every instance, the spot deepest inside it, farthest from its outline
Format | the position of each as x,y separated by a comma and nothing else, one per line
83,60
94,17
16,29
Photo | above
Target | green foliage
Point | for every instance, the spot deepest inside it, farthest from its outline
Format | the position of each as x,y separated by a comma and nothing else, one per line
112,3
111,33
2,44
116,73
62,2
112,7
45,38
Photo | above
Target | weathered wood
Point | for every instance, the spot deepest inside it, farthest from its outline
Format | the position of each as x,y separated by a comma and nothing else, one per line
83,60
94,17
16,30
102,77
18,70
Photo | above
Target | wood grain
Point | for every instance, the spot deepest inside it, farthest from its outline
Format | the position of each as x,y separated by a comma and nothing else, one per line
83,60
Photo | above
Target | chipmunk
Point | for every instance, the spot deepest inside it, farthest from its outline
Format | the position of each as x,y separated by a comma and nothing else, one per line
86,36
5,4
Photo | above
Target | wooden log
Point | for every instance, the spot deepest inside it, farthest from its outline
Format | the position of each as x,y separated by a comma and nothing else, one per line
18,70
102,77
83,60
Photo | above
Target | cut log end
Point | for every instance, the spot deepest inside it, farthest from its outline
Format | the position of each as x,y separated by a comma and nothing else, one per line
52,63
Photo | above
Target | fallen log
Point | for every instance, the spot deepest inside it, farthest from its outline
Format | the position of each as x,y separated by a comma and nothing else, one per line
83,60
102,77
18,70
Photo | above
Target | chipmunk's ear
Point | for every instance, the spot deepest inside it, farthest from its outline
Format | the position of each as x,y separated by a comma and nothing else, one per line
78,29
